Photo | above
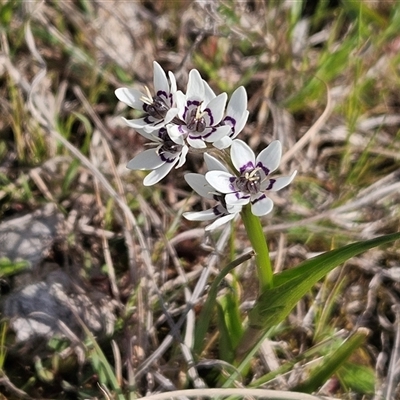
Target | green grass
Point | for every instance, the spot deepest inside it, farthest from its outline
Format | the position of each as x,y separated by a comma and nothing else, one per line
352,49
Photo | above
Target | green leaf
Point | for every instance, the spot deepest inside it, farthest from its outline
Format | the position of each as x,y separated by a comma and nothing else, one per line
358,378
43,373
70,175
8,267
317,267
230,325
275,304
331,363
291,285
88,129
3,346
101,365
225,348
323,347
7,11
208,308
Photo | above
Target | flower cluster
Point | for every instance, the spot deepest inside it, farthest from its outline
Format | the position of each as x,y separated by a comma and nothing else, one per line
175,123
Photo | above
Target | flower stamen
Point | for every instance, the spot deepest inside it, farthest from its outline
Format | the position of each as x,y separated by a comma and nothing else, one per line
249,182
197,121
147,98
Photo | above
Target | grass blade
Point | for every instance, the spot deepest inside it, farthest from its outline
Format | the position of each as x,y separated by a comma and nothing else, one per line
332,363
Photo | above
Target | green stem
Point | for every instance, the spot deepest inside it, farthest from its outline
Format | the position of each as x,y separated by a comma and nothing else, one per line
257,240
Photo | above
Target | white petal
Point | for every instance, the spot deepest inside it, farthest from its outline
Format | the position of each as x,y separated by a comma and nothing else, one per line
208,93
177,132
220,180
205,215
159,173
180,99
220,221
182,157
240,123
199,184
217,134
261,205
270,157
237,199
154,126
148,135
220,210
242,156
136,123
223,143
170,115
238,102
233,208
173,83
195,87
217,108
196,142
131,97
148,159
279,183
236,109
213,164
160,80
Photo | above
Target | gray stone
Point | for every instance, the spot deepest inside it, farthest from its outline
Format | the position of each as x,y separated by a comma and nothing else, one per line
31,236
54,306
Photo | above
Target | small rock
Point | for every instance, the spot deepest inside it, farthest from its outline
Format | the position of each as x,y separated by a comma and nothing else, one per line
40,309
31,236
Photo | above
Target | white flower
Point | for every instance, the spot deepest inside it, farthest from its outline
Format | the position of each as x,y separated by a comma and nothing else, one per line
236,117
161,159
253,179
200,111
221,211
159,109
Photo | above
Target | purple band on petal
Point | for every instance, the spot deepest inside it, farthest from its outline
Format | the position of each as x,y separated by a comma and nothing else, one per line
206,135
162,93
271,184
241,195
263,167
150,120
258,199
216,211
185,113
210,116
230,121
246,167
190,104
195,137
166,159
232,186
